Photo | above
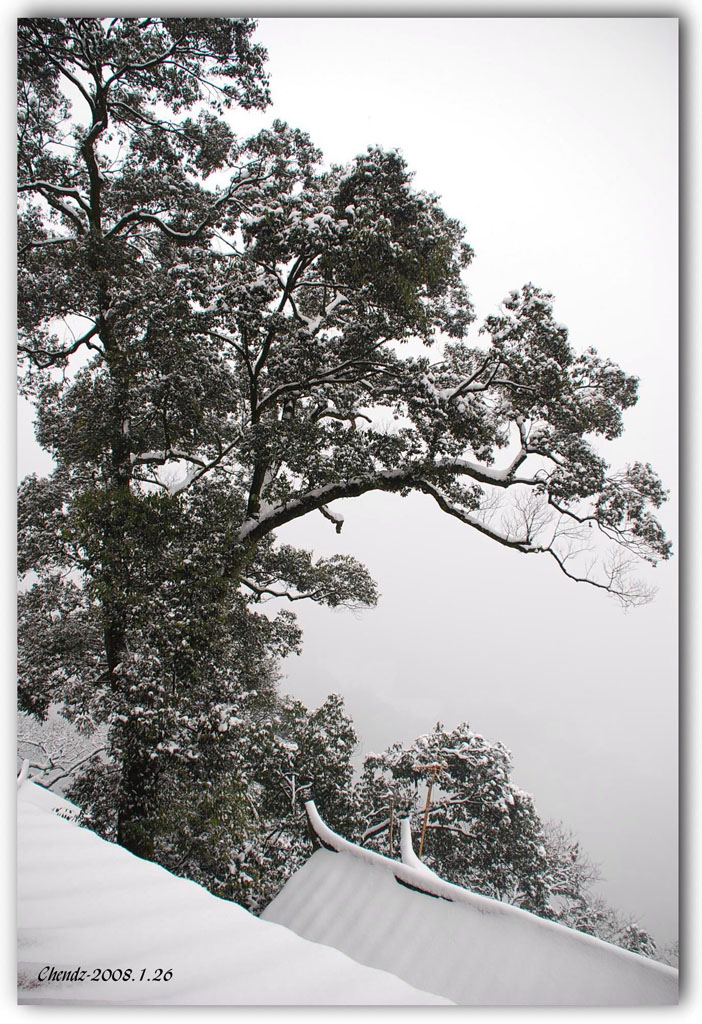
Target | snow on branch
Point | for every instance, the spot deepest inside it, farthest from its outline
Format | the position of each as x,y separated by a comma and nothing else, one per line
55,750
312,325
271,592
333,517
531,525
160,458
47,189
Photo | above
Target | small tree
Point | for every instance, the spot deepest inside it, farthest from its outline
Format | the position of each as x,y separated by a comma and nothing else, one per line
482,831
295,756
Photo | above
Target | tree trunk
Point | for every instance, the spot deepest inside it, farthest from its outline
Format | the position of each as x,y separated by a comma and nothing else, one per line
136,802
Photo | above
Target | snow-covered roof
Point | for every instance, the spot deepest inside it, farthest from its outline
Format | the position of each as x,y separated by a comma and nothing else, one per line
403,918
84,903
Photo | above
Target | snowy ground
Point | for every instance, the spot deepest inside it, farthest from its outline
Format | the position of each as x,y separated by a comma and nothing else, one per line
87,904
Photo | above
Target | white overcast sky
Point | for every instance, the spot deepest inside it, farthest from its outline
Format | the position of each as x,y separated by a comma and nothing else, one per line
555,142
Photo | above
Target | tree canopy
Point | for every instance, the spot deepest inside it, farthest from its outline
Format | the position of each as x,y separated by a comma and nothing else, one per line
220,335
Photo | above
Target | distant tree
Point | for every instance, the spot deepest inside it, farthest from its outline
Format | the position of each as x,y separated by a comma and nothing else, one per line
571,878
670,954
213,331
570,875
56,749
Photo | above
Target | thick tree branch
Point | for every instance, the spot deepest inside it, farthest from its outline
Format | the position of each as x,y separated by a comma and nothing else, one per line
160,458
289,595
56,190
189,235
49,357
145,65
38,243
445,504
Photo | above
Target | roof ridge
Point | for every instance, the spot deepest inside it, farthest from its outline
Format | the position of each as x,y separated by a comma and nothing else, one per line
411,873
408,871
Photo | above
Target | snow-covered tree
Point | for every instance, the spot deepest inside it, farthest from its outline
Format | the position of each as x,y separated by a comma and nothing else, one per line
229,810
596,917
235,822
670,954
214,334
571,878
57,749
295,756
482,832
571,873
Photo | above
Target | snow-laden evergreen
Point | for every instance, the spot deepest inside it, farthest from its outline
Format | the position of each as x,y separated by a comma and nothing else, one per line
481,831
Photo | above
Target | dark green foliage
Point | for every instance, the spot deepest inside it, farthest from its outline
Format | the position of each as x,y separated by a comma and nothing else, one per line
297,755
212,331
229,811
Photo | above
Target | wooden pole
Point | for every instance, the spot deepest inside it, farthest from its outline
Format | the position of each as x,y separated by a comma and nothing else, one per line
392,813
426,810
